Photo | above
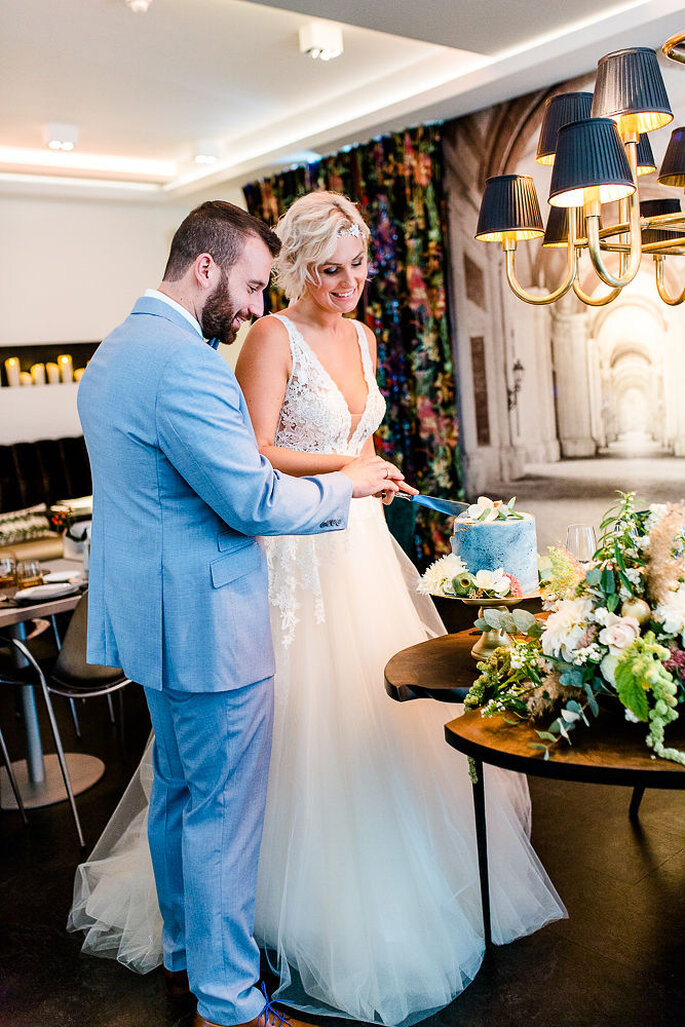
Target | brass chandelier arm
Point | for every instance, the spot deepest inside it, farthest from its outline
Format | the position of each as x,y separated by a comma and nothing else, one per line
594,301
551,297
626,273
659,262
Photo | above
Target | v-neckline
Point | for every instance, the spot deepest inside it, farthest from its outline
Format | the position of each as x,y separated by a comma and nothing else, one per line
332,380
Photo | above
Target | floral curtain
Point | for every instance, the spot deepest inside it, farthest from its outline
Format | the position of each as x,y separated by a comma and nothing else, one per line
397,183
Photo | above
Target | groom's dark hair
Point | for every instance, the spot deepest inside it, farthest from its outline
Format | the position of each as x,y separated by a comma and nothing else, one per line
220,229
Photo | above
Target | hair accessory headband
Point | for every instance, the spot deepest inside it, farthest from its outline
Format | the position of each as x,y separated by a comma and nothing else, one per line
350,230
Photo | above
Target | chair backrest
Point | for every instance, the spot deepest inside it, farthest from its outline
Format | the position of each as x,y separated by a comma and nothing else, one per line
70,666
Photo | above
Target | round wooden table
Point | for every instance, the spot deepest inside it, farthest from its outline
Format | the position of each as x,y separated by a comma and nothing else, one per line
611,751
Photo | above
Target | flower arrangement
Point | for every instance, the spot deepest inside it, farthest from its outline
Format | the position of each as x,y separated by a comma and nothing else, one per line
487,510
450,577
614,629
63,520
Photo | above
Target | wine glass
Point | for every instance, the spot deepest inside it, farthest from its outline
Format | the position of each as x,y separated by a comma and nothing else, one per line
8,577
29,573
581,542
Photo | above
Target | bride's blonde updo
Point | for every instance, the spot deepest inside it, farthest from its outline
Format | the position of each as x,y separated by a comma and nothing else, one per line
309,232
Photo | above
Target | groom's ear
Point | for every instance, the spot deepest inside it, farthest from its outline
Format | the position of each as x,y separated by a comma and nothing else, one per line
206,272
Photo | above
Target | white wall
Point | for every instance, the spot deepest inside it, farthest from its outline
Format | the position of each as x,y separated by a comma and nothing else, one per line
70,270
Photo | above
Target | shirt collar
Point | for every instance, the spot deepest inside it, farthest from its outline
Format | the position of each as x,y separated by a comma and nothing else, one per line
157,295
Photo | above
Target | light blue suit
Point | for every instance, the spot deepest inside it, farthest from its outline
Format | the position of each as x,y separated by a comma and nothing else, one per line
178,598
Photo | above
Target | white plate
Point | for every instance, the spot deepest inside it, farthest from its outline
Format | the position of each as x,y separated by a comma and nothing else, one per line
60,577
43,593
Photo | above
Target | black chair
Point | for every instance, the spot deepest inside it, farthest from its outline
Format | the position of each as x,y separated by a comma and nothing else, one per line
26,670
73,678
11,778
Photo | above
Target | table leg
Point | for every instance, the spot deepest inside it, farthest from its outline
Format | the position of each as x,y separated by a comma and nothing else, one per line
635,801
34,747
482,843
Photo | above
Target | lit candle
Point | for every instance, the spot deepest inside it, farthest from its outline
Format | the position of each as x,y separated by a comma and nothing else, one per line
25,378
66,367
12,368
78,374
52,373
38,374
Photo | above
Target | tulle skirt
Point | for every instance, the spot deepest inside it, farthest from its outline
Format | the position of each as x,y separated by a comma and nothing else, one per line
368,899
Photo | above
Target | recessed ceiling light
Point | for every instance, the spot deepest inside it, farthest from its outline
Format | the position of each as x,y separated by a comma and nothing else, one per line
206,152
138,6
321,40
60,136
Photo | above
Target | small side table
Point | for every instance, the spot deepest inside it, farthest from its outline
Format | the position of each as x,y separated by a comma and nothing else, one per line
612,751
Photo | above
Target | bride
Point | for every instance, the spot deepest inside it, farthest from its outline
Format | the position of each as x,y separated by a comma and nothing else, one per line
368,901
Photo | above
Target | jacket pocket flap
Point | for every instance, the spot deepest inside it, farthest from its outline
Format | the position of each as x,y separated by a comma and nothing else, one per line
231,542
235,565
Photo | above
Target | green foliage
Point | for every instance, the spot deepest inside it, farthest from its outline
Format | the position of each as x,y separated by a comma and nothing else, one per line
638,671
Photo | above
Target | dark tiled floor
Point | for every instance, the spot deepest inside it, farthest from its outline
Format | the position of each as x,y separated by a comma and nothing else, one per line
618,960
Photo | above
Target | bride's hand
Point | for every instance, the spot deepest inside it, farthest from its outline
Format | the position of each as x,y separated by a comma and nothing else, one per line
387,497
371,475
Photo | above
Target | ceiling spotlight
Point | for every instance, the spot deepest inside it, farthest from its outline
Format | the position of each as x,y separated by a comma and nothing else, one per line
60,136
138,6
206,152
321,40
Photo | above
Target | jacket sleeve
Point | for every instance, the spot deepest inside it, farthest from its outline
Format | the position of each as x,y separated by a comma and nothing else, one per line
204,430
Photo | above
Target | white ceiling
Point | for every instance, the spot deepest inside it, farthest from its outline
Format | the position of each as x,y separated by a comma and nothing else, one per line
143,89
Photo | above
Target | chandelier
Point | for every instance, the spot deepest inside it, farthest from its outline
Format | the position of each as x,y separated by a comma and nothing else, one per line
598,146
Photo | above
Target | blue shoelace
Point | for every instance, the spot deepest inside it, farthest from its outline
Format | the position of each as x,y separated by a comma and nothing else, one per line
269,1010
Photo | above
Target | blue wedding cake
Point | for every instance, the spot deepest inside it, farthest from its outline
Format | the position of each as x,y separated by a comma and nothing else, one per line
490,535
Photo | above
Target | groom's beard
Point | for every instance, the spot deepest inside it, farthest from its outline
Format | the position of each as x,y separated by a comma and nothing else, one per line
219,314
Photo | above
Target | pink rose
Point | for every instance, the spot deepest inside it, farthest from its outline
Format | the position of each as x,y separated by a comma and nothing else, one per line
619,633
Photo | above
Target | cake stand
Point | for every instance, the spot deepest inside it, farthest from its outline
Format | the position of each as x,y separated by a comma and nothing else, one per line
493,638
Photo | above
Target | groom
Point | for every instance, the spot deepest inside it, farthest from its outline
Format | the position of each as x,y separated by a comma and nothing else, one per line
178,587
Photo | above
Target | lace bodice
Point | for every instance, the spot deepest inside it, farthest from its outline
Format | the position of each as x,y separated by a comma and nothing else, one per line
314,416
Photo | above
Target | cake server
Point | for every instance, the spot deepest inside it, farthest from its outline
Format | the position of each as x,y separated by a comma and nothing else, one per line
445,506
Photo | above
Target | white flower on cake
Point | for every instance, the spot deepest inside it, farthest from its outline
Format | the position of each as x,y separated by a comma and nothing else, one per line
493,581
486,510
437,579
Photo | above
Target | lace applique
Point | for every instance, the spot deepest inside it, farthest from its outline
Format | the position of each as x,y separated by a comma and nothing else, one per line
314,418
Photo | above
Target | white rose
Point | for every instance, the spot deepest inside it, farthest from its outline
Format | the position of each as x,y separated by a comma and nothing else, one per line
618,635
565,627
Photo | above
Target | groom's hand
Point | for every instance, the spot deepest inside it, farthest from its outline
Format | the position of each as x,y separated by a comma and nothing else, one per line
371,475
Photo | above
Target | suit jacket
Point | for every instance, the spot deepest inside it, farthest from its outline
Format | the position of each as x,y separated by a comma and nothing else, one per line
178,582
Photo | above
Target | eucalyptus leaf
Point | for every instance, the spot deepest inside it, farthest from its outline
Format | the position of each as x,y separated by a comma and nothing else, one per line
508,623
547,735
493,617
608,580
523,619
593,576
481,624
592,702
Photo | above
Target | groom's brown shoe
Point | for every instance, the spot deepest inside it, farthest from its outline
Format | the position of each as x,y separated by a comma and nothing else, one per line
177,984
267,1018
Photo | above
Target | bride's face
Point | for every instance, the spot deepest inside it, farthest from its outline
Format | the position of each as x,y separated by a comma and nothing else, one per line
342,278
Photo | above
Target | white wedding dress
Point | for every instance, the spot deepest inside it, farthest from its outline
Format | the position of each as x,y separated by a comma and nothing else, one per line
368,901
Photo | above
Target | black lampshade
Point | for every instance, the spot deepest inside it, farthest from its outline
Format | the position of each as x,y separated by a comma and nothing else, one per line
629,88
509,209
556,229
591,164
673,167
649,209
645,157
560,110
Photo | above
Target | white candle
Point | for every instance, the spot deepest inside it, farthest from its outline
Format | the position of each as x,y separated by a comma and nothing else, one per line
66,367
78,374
25,378
52,373
12,368
38,374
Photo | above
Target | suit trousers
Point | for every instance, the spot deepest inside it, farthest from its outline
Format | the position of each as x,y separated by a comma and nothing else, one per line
211,763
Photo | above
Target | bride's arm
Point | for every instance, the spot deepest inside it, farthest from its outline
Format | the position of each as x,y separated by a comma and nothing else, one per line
262,371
